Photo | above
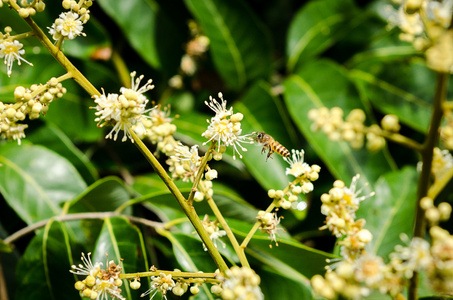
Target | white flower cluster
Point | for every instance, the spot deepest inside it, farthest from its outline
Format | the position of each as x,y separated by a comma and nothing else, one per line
69,25
125,110
225,127
212,228
11,50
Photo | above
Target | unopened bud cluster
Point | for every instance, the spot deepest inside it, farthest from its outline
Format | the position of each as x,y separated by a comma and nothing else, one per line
305,175
31,102
427,25
352,129
339,207
69,24
442,164
28,9
241,283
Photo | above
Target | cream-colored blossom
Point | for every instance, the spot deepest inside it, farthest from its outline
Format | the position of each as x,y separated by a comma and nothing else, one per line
11,51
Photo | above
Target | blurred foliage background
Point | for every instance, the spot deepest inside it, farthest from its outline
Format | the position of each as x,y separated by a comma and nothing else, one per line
273,61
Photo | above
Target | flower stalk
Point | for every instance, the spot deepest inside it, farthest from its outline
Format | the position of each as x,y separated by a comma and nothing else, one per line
427,157
188,209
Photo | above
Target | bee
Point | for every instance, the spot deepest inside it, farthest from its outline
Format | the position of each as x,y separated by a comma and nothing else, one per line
270,144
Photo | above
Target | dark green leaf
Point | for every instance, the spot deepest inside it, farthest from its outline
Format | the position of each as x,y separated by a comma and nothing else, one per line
391,211
323,83
120,239
44,267
152,34
106,194
284,258
399,88
316,27
52,137
36,181
264,112
239,43
288,288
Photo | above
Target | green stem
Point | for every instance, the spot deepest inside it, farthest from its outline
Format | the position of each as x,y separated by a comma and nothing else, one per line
211,277
425,174
239,251
121,69
188,209
58,55
200,173
255,227
402,140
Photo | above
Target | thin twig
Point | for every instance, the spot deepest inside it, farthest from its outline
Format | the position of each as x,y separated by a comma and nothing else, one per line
81,216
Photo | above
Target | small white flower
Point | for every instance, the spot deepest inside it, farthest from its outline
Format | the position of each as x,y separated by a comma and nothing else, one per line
15,132
182,153
87,268
69,25
162,283
12,51
225,127
297,165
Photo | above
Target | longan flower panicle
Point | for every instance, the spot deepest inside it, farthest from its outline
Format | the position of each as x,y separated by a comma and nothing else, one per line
11,50
125,110
225,127
98,283
241,283
160,284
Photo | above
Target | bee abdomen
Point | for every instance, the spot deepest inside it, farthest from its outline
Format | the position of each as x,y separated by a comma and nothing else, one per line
280,149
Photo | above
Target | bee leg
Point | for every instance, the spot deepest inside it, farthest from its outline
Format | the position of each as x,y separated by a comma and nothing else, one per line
269,154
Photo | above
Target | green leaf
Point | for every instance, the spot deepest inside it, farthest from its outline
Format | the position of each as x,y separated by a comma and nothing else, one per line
72,114
106,194
288,288
120,239
44,267
398,88
51,137
391,211
36,181
316,27
266,115
148,31
229,202
284,258
239,43
323,83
